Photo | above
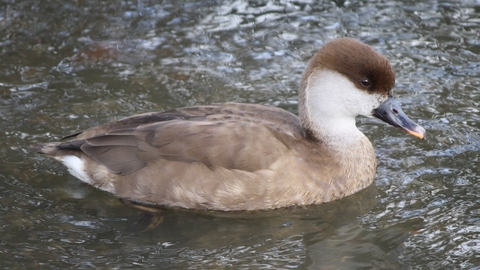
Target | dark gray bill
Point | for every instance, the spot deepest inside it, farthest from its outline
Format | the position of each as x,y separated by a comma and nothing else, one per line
391,113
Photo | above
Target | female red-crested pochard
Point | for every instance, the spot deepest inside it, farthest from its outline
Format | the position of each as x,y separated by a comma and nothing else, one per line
246,156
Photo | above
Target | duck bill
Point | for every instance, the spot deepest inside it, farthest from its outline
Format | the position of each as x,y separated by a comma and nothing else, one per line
391,112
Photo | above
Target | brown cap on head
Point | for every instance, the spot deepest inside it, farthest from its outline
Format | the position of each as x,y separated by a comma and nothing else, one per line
360,63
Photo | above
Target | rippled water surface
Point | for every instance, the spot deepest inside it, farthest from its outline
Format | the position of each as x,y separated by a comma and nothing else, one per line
68,65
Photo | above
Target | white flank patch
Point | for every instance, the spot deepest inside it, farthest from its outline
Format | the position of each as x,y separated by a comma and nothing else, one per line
76,168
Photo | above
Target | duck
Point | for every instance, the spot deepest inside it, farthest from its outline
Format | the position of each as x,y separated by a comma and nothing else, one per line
237,156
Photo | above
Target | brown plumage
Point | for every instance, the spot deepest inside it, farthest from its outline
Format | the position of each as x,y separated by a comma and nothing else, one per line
235,156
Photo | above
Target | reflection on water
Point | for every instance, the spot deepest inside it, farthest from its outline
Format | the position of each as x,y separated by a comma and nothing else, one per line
68,65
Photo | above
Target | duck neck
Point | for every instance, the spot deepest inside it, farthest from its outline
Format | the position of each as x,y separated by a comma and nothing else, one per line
324,110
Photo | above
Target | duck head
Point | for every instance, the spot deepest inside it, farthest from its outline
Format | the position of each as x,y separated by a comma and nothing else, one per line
347,78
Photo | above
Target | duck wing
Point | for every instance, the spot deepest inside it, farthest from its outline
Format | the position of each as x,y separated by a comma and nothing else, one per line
232,136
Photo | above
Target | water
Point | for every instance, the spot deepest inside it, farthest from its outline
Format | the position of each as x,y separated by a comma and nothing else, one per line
68,65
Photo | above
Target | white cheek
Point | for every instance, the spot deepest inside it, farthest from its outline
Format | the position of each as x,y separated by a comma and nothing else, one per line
369,102
359,102
331,95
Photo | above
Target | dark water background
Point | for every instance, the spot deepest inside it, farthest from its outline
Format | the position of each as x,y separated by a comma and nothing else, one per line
67,65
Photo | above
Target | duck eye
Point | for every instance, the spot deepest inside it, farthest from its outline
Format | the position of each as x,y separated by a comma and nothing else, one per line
365,82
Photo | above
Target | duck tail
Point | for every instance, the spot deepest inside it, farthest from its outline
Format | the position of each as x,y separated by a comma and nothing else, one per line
52,148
